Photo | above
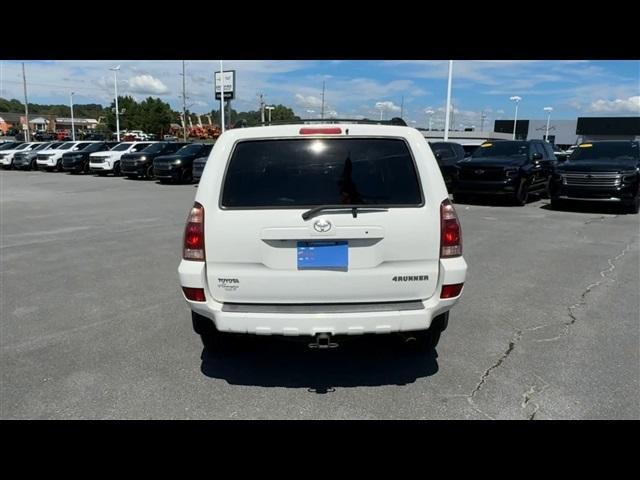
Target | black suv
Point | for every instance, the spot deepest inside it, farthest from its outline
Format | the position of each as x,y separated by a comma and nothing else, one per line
179,166
605,171
78,160
506,167
448,154
27,160
140,164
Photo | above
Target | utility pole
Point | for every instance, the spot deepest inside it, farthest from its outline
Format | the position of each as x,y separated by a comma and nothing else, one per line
26,103
322,112
262,109
402,107
482,117
184,104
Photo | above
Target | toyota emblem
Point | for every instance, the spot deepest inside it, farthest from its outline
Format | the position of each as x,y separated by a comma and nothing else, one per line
321,225
478,172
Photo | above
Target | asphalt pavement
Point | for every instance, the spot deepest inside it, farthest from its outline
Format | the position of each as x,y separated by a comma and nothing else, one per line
93,324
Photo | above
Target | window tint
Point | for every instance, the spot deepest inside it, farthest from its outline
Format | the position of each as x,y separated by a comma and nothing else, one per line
82,146
612,150
312,172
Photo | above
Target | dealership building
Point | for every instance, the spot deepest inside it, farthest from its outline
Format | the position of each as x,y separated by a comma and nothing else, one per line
565,133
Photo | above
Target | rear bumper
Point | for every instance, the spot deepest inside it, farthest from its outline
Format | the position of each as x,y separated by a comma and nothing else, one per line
230,318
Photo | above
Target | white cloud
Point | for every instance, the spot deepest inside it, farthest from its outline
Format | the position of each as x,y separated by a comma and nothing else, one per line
308,101
147,84
387,106
629,105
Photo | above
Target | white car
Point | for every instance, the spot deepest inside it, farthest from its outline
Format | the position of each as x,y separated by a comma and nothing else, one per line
6,156
322,230
52,159
109,161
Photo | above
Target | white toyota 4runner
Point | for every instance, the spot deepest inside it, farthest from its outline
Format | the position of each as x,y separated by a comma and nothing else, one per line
322,230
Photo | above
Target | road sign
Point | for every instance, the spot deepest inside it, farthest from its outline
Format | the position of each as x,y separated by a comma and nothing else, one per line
229,83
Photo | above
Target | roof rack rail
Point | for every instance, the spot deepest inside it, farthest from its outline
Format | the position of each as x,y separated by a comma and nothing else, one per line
310,121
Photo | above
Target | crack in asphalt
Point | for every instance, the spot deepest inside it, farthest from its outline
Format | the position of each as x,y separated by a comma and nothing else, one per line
519,333
512,343
583,301
528,395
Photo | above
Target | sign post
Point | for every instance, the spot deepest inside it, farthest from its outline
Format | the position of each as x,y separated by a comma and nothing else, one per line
225,88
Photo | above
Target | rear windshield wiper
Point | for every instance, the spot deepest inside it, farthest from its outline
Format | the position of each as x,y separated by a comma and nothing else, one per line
354,210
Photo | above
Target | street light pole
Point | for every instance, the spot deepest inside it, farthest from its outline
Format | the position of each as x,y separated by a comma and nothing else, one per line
270,107
446,119
73,127
516,99
548,110
115,83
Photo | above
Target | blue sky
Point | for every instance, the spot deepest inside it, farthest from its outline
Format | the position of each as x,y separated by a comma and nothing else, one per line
353,88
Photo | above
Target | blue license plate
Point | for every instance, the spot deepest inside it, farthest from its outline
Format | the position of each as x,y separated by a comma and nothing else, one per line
323,255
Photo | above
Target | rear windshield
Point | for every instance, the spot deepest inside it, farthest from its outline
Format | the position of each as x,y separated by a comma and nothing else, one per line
502,149
313,172
605,150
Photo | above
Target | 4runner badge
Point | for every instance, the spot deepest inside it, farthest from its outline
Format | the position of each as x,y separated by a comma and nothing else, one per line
411,278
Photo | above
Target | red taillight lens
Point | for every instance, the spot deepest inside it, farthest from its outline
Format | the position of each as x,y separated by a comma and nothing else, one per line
193,248
194,294
450,291
316,131
450,232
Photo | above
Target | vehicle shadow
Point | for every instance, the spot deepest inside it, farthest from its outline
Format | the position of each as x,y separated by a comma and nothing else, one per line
275,362
587,207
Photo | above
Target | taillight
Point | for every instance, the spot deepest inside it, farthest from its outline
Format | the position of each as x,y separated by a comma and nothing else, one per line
194,294
321,130
194,234
450,232
450,291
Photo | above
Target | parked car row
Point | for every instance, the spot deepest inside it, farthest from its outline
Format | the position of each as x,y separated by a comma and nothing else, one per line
603,171
166,161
